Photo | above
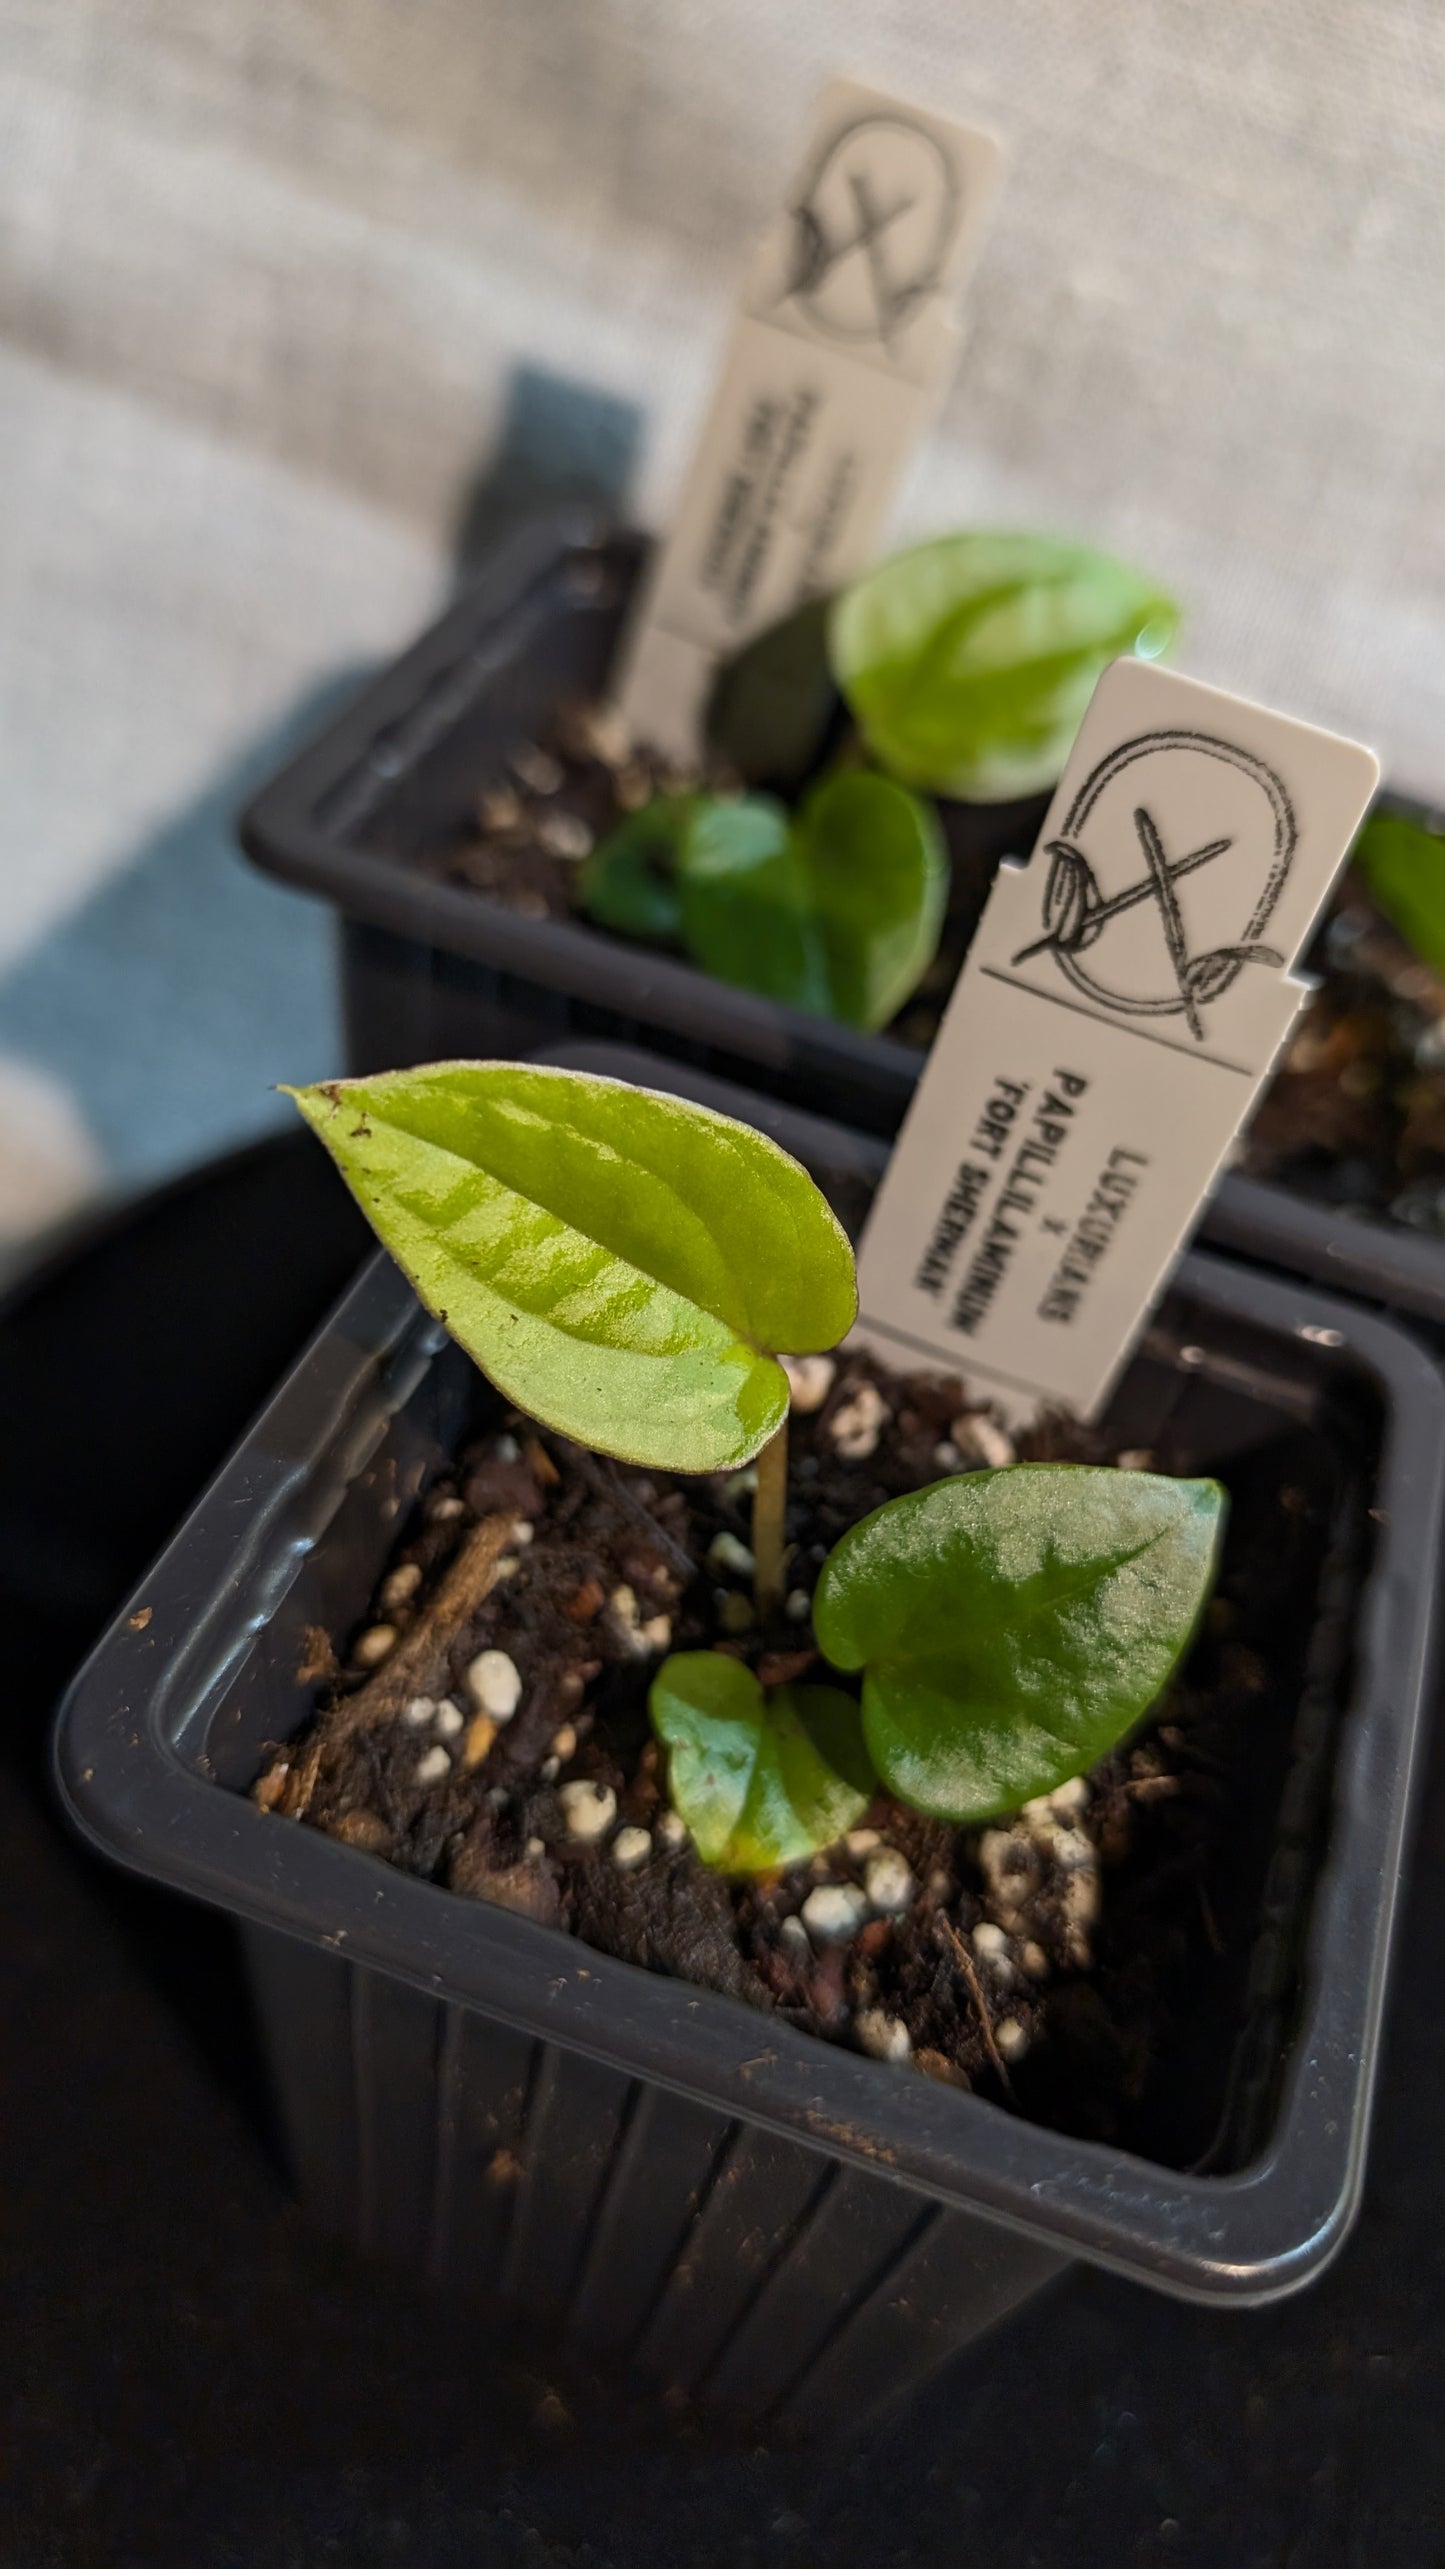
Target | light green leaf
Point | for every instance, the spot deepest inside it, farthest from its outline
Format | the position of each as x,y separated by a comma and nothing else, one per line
762,1780
628,882
623,1265
837,912
1013,1625
1403,866
968,662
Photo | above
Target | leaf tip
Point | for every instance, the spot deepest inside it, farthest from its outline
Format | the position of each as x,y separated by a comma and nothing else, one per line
317,1102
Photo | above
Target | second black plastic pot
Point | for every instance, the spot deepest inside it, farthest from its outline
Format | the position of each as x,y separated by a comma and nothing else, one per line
784,2232
433,971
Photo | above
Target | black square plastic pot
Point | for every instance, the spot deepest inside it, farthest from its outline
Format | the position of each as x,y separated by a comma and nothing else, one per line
433,971
779,2230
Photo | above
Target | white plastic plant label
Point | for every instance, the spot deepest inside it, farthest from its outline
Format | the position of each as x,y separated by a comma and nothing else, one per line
844,339
1119,1010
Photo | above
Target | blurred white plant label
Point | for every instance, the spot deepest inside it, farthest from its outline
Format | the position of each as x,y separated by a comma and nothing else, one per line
1119,1011
844,339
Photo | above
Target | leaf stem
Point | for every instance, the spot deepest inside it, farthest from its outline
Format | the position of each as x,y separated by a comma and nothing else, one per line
770,1501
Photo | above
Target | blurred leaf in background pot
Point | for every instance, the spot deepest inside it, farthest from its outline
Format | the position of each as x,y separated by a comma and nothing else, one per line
837,911
771,705
968,662
628,882
1403,867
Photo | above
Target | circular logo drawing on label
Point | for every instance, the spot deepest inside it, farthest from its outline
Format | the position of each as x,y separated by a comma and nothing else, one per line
1171,859
871,229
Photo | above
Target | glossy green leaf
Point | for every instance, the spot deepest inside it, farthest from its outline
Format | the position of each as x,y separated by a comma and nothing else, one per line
1403,866
629,881
968,662
1012,1626
837,911
771,704
623,1265
762,1780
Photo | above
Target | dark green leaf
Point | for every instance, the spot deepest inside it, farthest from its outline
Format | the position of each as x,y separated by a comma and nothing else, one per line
623,1265
1404,867
628,882
1013,1625
771,705
838,912
761,1780
968,662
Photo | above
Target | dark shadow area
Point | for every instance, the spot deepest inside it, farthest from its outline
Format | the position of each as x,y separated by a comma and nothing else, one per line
128,1366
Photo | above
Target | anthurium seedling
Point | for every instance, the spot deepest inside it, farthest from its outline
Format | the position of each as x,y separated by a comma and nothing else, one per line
1403,867
624,1266
627,1268
967,663
1011,1626
835,909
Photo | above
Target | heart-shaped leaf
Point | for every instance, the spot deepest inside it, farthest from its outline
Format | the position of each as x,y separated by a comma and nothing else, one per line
837,912
1013,1625
762,1780
1404,867
968,662
623,1265
629,881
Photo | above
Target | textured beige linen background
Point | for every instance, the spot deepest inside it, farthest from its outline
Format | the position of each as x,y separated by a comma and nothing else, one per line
267,268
